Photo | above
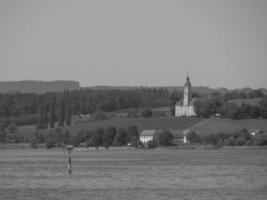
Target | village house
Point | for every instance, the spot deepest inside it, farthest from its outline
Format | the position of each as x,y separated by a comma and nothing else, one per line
147,135
254,131
179,136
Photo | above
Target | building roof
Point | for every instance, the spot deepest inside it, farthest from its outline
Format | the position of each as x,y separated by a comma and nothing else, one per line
148,133
179,132
191,102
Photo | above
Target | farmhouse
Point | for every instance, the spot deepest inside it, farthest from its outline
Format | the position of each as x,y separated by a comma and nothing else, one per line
185,107
179,136
147,135
254,131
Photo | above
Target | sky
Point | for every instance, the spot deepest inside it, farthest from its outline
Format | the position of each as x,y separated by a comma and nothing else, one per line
221,43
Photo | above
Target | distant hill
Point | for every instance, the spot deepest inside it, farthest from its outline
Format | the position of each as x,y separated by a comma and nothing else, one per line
38,87
198,89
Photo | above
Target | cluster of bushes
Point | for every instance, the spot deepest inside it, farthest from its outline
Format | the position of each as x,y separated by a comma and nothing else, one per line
10,134
239,138
243,95
20,121
110,136
163,139
209,107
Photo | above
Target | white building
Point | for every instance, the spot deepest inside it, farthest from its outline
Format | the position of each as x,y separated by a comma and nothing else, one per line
185,107
147,135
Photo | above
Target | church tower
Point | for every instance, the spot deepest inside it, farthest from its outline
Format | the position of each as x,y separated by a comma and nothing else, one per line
185,107
187,92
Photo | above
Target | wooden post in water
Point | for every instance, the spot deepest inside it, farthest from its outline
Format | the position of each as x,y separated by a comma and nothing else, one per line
69,150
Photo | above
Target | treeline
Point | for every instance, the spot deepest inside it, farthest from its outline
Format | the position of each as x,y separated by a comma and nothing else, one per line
83,101
234,94
58,107
238,138
39,87
47,109
216,104
110,136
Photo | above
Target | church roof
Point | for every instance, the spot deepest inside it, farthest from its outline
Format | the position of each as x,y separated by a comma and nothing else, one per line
191,103
179,103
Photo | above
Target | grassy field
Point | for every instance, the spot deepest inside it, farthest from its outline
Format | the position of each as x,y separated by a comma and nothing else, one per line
135,174
228,126
201,126
142,123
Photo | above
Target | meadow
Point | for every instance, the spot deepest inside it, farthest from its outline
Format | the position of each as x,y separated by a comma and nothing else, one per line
226,173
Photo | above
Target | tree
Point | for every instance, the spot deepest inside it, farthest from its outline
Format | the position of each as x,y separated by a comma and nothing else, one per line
133,135
121,137
51,140
165,138
152,144
2,133
68,114
109,136
60,112
255,112
146,112
201,109
97,138
52,112
33,142
40,117
192,137
12,128
240,141
263,107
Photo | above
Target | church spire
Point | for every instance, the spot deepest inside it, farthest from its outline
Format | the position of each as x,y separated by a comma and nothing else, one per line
187,77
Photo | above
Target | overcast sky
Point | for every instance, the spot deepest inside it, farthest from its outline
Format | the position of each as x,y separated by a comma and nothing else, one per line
222,43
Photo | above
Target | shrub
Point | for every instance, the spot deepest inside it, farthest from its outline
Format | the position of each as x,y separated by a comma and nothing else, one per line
99,115
230,141
54,138
120,137
12,128
260,139
146,112
240,141
165,138
133,113
193,137
33,143
152,144
74,140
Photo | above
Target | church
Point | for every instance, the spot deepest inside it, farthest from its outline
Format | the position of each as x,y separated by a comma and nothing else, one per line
185,107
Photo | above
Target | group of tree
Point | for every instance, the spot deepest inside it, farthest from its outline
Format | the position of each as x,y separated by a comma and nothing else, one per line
9,134
234,94
238,138
58,106
52,109
212,106
162,139
45,110
107,137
